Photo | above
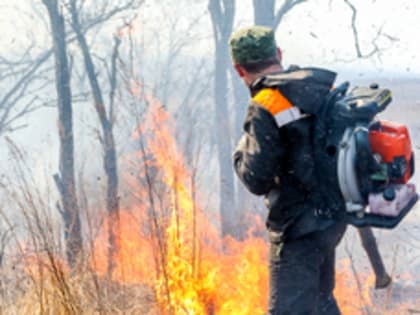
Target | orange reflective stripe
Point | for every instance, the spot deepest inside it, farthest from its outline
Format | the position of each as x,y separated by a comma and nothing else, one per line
272,100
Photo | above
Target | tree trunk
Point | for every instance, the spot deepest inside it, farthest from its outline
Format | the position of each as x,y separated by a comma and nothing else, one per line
222,19
264,12
108,142
223,134
65,180
240,105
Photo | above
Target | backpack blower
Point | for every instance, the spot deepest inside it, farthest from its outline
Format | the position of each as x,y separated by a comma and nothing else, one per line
375,160
363,164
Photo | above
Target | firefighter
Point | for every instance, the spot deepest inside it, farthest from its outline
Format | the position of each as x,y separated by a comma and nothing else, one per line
274,158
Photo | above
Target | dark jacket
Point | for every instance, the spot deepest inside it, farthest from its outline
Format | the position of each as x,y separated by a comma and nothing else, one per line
278,162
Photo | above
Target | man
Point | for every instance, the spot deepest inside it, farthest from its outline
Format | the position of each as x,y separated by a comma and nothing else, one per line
275,158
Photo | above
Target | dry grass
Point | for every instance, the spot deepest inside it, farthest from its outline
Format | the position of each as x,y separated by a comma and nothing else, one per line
34,278
44,290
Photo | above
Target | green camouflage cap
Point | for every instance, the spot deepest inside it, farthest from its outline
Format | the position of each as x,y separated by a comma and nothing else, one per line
252,45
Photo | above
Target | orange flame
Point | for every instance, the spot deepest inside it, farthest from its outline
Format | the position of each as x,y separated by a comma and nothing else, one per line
352,294
181,254
197,272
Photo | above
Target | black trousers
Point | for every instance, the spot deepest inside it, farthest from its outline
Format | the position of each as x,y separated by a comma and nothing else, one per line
302,273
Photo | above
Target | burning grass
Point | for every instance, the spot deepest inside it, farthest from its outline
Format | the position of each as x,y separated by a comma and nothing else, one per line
170,260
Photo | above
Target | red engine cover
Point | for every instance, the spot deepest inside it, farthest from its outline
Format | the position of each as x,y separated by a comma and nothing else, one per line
391,140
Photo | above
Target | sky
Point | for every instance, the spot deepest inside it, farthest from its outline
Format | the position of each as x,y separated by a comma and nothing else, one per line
318,32
315,33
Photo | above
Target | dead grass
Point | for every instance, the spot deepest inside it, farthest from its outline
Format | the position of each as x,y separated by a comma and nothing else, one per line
34,277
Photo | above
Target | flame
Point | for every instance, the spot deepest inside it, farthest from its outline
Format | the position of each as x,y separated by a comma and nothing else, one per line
204,274
192,269
176,249
352,294
134,263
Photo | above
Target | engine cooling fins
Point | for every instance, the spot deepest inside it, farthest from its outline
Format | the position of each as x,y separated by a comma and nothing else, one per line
376,194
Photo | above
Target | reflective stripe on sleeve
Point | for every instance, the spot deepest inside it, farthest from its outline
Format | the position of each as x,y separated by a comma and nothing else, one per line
278,105
288,116
272,100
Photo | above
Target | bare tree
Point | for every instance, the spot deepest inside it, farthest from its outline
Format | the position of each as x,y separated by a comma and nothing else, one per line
375,50
65,180
106,118
265,12
222,15
25,74
20,98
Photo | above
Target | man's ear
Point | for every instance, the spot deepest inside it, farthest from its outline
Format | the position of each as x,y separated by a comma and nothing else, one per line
279,54
239,70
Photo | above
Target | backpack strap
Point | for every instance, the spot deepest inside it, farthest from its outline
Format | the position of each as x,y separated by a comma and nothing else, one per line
305,88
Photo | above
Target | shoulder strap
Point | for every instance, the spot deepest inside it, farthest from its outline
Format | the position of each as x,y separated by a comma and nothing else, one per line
305,88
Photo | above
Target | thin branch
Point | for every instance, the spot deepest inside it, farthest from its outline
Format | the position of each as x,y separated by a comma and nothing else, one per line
284,9
113,78
376,50
105,16
27,76
28,73
29,108
89,65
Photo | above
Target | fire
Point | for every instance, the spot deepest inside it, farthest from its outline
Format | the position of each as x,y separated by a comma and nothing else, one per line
204,274
352,292
168,243
130,268
180,253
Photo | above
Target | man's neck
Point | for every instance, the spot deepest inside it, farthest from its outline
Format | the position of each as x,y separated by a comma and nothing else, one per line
271,69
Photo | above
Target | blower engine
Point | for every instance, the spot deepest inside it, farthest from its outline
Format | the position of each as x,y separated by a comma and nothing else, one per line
374,164
363,164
